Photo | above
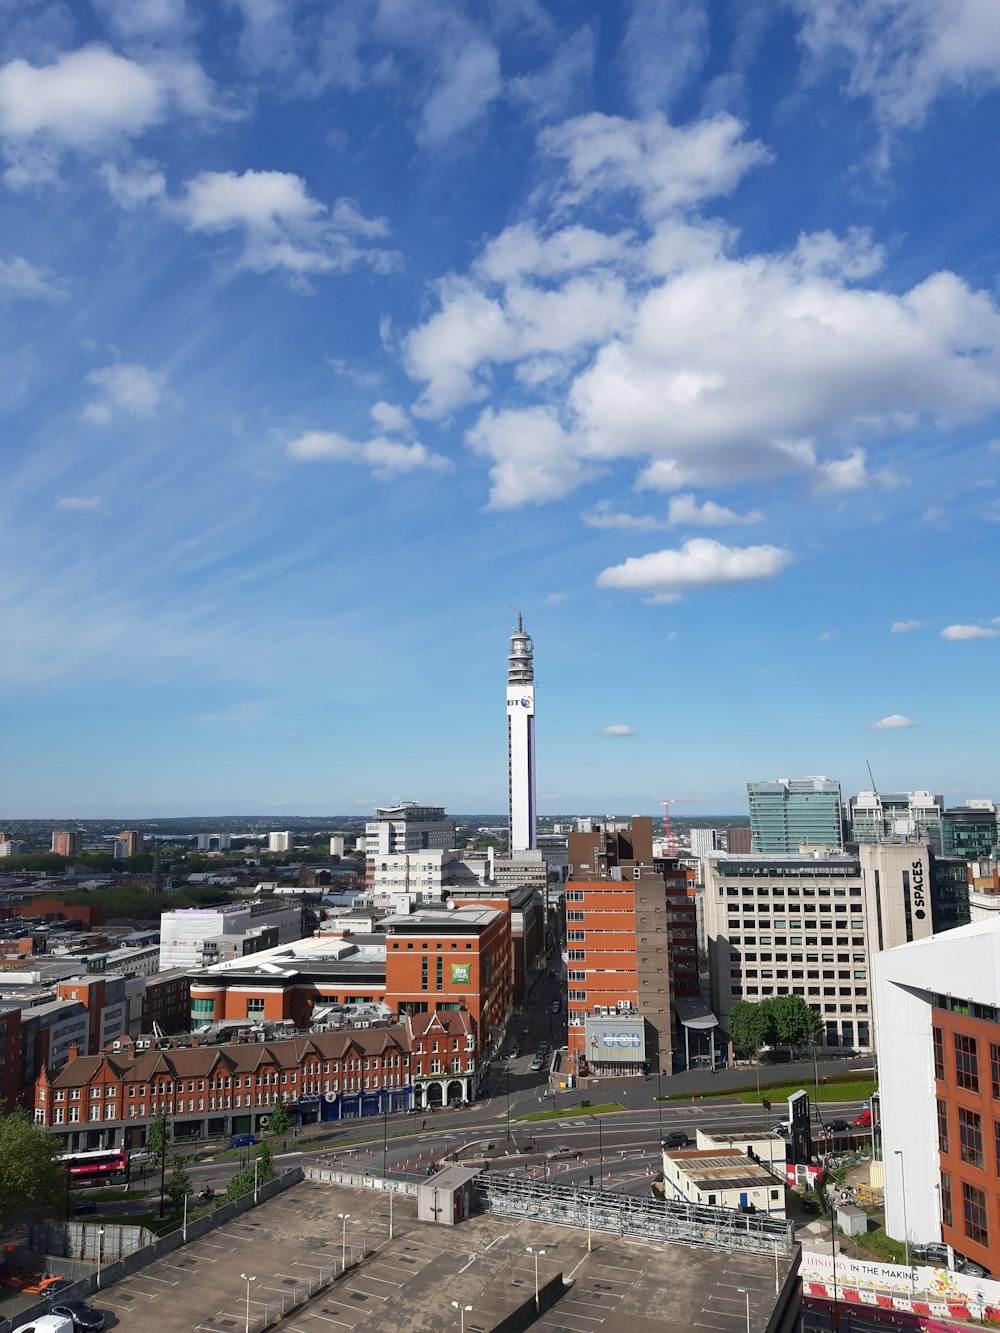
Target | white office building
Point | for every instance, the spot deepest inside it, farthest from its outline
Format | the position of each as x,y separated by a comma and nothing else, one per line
407,827
521,742
279,842
704,841
880,816
807,925
426,875
185,931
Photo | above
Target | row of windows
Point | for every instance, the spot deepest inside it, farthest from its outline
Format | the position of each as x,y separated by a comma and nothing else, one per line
793,891
966,1052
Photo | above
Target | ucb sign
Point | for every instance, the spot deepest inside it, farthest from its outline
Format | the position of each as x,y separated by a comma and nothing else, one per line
919,892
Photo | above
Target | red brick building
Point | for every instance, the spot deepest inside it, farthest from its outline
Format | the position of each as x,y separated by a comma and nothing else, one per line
631,948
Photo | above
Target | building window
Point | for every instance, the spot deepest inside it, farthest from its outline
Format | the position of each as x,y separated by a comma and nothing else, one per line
995,1068
970,1135
946,1213
255,1008
974,1213
942,1123
966,1062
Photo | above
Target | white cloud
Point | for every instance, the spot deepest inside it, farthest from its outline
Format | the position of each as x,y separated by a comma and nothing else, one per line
549,90
894,722
617,729
132,388
81,503
524,251
828,635
905,56
532,459
20,278
699,563
960,633
468,81
665,46
88,99
556,598
849,474
604,515
386,458
667,167
141,184
142,19
282,226
684,511
391,418
906,626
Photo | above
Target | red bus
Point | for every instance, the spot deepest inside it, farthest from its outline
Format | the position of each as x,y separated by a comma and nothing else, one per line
96,1167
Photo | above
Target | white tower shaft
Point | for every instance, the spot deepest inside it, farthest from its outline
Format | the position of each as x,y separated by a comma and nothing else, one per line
521,740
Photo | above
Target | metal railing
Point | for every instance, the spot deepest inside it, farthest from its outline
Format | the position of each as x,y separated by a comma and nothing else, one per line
628,1215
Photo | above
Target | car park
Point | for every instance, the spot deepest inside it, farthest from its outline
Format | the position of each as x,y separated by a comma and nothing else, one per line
83,1315
676,1139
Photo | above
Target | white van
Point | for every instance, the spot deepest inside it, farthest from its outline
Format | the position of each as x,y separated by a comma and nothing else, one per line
47,1323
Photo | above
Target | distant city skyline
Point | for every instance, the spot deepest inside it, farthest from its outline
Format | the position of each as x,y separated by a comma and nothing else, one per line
330,334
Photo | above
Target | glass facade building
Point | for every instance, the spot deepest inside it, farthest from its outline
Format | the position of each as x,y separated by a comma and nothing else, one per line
792,814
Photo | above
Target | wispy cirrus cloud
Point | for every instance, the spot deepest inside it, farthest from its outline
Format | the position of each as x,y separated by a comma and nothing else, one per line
80,503
906,626
617,729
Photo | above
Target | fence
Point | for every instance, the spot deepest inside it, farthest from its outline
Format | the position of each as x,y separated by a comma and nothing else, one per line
627,1215
89,1240
362,1180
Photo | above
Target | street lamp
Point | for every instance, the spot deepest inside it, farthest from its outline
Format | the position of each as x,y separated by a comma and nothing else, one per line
461,1312
100,1248
247,1278
746,1293
600,1152
256,1164
343,1257
537,1255
902,1183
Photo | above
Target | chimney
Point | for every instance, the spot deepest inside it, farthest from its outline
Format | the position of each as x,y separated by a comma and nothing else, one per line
72,1053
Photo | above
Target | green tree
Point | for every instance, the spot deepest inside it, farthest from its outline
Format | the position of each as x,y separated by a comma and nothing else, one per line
795,1023
279,1119
157,1142
178,1185
265,1165
750,1026
241,1183
31,1180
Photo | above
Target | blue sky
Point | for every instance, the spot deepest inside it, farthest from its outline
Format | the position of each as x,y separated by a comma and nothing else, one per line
332,332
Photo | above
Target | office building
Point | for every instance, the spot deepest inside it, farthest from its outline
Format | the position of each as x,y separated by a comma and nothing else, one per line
893,816
969,831
807,925
703,840
214,842
279,842
739,838
337,844
11,847
189,935
791,815
937,1014
521,742
66,842
407,827
425,876
631,949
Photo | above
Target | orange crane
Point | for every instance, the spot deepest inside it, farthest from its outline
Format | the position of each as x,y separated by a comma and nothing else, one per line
667,802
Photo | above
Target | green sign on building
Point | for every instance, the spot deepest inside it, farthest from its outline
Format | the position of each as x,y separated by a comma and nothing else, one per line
461,974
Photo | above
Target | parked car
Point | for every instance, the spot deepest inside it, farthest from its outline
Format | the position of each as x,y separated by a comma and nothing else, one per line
782,1127
969,1267
525,1029
47,1323
141,1157
241,1140
676,1139
82,1314
536,1065
934,1252
84,1206
864,1119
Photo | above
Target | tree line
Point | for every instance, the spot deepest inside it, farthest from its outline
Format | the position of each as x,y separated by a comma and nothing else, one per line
782,1020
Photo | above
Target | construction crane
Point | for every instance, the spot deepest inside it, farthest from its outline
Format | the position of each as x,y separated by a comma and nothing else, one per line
667,802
